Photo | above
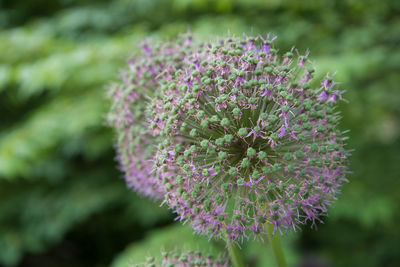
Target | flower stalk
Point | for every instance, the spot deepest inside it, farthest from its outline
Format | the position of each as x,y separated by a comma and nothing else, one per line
275,243
235,254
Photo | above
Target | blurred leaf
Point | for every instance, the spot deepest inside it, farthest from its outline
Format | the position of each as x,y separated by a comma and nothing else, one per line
171,238
45,129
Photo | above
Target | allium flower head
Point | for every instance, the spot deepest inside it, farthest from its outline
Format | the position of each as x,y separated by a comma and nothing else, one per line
130,97
248,139
186,259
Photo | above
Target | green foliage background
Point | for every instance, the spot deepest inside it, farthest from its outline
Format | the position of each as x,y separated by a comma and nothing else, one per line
64,203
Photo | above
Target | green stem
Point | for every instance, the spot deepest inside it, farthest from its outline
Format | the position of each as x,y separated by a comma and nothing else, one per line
236,256
275,242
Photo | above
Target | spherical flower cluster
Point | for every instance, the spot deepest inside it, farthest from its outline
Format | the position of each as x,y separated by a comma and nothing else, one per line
139,83
249,138
186,259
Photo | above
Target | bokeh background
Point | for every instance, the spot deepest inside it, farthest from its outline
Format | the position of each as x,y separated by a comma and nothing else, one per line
64,203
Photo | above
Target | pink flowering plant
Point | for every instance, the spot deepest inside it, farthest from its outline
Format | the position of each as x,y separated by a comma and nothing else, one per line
232,135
